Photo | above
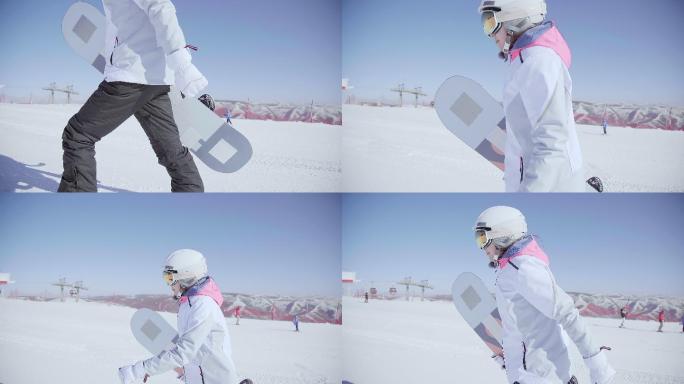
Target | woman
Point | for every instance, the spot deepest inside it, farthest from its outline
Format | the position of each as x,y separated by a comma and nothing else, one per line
534,309
542,151
202,354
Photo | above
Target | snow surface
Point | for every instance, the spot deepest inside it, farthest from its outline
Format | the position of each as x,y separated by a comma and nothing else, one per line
383,149
429,342
85,342
388,149
288,156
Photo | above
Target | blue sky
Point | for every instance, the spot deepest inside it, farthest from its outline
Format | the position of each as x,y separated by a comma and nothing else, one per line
262,50
623,51
254,243
610,243
298,243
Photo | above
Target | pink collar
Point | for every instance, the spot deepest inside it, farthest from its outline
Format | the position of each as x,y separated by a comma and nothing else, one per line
551,38
527,246
205,288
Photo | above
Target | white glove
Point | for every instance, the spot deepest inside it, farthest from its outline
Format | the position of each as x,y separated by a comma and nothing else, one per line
133,374
599,370
189,79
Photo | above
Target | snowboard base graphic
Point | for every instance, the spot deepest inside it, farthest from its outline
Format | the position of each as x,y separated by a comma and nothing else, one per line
152,331
469,112
478,307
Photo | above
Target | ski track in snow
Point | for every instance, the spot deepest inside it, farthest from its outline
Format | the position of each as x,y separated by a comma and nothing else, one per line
288,156
388,149
412,342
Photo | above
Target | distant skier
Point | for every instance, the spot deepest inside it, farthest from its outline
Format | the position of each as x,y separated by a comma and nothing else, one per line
365,297
295,321
682,323
273,311
661,319
534,309
623,314
146,53
237,315
542,151
202,354
605,127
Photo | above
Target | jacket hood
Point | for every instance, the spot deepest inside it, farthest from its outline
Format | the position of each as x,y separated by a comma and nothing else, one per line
544,35
529,246
205,287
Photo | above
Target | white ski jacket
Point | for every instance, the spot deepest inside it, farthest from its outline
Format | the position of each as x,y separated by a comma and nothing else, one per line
534,312
542,151
140,35
203,348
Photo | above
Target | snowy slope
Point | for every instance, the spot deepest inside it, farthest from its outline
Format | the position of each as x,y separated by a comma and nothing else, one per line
419,342
309,309
278,112
408,149
288,156
53,342
636,116
639,308
607,305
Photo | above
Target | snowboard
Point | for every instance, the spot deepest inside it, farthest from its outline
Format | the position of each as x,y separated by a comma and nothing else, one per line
468,111
210,138
156,335
152,331
478,307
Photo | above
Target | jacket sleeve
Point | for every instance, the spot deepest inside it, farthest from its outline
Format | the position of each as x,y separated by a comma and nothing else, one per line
162,14
200,325
512,345
539,288
512,157
513,354
542,95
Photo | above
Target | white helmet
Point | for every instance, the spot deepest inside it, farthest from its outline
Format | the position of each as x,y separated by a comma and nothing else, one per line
516,16
501,226
185,266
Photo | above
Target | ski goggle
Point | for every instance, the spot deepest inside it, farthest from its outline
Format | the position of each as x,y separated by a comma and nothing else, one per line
490,24
168,277
481,238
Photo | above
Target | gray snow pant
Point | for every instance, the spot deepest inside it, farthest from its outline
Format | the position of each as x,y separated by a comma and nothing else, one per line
109,106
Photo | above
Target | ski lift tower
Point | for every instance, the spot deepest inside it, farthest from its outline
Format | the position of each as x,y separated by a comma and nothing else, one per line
69,90
424,284
418,91
77,287
401,89
62,283
408,283
51,88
